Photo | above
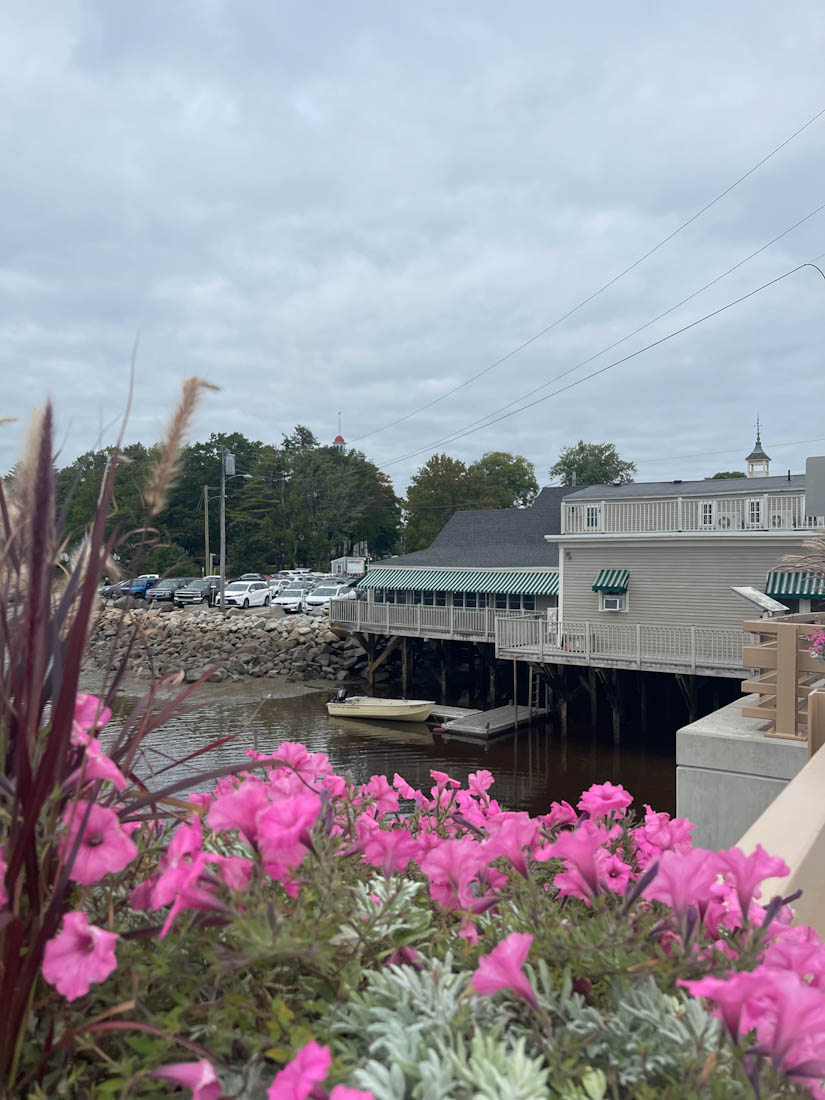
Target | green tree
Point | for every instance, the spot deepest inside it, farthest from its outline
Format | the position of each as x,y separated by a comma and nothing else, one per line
437,489
506,480
726,473
592,464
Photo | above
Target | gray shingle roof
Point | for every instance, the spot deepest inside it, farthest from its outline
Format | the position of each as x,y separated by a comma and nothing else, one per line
747,486
497,536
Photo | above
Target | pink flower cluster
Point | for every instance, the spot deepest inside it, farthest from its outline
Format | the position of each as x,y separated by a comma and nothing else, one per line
817,644
290,805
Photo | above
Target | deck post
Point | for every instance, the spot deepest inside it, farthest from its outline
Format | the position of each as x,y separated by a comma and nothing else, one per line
587,641
418,616
405,665
693,650
616,704
515,694
491,690
593,689
442,653
388,617
452,621
638,645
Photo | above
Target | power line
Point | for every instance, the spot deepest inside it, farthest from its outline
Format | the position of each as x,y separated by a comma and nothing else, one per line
730,451
619,362
481,421
596,293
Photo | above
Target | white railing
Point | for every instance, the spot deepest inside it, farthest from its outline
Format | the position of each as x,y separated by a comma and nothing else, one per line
420,620
640,645
760,512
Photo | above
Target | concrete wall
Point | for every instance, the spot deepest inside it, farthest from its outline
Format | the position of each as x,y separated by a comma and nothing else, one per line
678,580
728,772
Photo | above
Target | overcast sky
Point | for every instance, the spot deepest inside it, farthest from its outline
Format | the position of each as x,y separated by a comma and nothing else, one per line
358,206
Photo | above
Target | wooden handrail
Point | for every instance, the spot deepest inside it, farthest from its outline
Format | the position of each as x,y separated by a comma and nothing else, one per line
786,674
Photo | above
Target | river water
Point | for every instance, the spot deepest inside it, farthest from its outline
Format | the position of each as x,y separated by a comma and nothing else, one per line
531,770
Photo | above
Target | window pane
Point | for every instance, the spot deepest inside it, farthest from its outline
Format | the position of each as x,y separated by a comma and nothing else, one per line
458,599
469,599
440,599
529,602
427,598
501,601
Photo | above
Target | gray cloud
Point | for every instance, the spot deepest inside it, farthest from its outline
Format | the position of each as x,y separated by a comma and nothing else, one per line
351,206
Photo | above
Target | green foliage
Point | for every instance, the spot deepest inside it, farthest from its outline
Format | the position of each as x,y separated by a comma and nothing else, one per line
303,504
725,474
443,485
592,464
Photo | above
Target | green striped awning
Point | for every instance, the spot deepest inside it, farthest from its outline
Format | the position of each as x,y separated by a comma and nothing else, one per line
795,586
612,580
537,582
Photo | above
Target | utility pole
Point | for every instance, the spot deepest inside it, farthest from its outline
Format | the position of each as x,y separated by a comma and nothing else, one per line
223,528
207,567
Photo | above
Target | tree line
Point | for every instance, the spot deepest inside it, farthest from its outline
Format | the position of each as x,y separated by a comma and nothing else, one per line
301,502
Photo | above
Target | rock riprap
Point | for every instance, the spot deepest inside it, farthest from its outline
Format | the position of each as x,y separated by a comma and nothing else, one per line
238,645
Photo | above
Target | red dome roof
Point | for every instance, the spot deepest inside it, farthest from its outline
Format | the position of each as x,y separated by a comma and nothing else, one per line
339,439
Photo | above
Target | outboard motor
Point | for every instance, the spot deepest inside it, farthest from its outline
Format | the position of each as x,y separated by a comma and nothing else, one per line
340,695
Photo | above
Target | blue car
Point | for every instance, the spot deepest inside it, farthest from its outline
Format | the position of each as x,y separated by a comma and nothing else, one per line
142,584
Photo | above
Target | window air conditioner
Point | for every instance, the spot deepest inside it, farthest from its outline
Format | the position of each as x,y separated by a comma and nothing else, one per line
723,522
613,603
777,520
552,615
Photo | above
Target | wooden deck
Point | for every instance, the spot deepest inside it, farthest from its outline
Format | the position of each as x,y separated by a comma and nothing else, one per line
692,650
460,624
484,725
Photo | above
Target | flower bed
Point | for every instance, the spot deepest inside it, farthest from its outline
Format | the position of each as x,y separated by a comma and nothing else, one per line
291,935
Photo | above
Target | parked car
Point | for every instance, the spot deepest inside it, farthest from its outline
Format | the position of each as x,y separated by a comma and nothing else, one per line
252,577
319,598
247,594
203,590
115,591
278,584
142,584
165,590
292,598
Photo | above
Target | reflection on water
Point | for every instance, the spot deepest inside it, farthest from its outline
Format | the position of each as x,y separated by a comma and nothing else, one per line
531,770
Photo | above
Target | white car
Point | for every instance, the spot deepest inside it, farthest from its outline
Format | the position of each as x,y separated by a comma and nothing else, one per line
293,598
319,598
247,594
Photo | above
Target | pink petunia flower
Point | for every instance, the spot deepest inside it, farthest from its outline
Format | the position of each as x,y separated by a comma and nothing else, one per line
501,969
403,787
200,1077
747,872
614,873
731,995
561,813
382,794
452,867
89,715
284,833
104,846
79,955
604,798
389,849
478,783
581,850
239,809
513,837
297,1079
685,879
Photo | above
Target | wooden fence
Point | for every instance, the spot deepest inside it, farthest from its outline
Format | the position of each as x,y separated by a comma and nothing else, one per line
786,678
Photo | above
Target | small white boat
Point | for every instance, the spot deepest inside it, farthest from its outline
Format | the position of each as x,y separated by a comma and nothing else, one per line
396,710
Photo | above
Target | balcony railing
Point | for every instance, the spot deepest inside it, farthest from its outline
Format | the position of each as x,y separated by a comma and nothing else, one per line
419,620
761,512
787,673
649,646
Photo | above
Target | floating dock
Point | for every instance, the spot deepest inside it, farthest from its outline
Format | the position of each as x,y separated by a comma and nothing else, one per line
484,725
